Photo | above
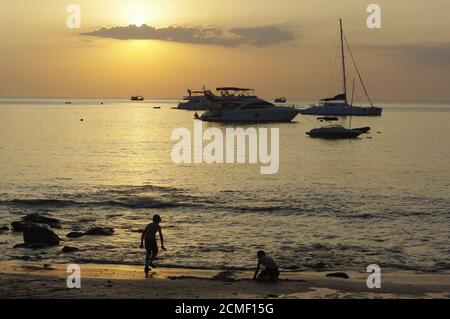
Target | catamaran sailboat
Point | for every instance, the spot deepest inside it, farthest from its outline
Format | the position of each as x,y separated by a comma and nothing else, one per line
242,105
339,104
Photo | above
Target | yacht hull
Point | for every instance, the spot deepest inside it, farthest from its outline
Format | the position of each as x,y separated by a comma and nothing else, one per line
277,114
194,105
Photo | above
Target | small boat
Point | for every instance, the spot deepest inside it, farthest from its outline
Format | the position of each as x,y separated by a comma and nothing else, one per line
137,98
328,118
334,132
157,107
280,100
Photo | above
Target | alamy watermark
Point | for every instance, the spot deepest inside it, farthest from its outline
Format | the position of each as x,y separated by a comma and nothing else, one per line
374,279
374,19
238,146
74,279
73,20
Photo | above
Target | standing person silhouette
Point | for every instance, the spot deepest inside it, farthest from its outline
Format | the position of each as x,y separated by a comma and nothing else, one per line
151,245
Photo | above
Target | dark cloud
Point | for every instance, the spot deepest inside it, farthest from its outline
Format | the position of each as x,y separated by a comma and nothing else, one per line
254,36
426,52
262,36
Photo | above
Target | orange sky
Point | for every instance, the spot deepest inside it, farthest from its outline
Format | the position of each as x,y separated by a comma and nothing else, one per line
407,59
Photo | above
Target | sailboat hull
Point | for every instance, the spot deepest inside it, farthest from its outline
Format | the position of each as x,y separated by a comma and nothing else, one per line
342,111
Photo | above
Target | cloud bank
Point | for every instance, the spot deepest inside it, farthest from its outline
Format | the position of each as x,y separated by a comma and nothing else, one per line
425,52
260,36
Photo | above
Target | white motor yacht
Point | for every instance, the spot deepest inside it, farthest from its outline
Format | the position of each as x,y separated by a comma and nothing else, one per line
242,105
195,100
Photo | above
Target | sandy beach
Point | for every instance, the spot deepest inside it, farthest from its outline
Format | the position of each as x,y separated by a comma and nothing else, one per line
117,281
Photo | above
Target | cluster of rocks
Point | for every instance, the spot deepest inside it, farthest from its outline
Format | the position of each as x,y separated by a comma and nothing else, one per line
342,275
3,229
38,233
95,231
225,276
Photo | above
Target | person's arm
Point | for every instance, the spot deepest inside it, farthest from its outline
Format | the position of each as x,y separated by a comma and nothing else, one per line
142,237
257,270
162,239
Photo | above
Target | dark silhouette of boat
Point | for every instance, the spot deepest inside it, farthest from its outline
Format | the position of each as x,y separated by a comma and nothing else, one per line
334,132
137,98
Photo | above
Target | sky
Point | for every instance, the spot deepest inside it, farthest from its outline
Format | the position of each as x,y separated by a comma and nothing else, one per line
159,48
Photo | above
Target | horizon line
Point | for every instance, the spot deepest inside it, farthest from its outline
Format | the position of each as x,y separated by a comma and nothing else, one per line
180,98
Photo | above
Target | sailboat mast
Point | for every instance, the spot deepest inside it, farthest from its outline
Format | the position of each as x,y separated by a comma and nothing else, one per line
343,62
353,91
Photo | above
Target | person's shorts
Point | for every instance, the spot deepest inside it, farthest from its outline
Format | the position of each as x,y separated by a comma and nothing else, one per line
271,274
152,247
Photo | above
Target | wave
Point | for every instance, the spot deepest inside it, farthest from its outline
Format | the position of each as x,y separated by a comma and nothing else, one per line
140,202
440,267
133,203
160,264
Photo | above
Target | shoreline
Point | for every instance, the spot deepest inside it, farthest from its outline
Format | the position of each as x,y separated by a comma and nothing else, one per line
101,281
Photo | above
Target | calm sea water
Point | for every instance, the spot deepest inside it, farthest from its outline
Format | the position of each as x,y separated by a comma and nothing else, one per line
351,203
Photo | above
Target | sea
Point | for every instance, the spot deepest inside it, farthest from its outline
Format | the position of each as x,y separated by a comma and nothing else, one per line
383,198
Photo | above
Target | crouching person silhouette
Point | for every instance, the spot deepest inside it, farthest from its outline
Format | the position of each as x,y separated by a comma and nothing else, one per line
270,273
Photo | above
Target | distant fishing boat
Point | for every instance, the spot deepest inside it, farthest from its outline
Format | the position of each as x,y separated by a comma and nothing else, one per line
338,104
137,98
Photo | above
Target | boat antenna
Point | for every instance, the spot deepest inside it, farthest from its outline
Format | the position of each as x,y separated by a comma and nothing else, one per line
343,61
359,74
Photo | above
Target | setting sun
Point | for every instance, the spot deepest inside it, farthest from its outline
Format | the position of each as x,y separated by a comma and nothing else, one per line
138,21
139,13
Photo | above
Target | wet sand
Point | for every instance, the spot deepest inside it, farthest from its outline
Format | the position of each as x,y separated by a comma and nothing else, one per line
22,280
